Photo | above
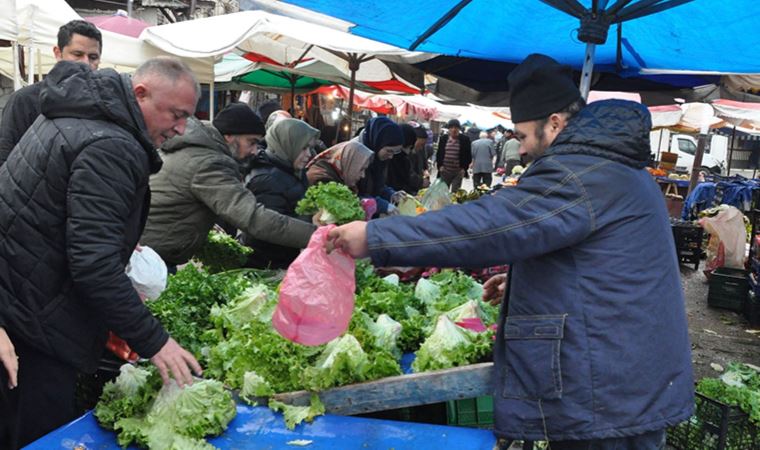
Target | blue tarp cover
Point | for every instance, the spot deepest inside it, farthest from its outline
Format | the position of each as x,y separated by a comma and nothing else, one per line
260,428
702,35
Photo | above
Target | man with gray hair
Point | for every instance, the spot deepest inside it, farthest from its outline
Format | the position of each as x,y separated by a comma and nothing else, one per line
73,204
483,153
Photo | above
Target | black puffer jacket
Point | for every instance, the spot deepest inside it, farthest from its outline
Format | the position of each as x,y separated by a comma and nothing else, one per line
19,114
73,204
275,186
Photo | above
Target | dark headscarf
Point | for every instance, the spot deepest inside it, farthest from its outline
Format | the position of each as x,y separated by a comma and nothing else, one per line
409,135
382,132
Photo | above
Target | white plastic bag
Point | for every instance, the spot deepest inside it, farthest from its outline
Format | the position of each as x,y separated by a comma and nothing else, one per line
728,238
148,272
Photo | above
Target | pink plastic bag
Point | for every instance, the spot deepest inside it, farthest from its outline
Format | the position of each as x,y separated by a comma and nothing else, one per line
317,294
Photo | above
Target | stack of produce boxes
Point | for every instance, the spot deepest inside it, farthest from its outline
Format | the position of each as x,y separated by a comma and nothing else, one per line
688,239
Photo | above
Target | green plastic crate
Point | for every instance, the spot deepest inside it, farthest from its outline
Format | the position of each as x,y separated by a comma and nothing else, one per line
471,412
728,288
715,426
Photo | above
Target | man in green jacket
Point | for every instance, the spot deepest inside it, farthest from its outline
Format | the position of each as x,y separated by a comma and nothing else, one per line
200,183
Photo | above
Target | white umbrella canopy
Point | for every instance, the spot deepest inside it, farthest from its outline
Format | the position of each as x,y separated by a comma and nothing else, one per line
8,20
285,41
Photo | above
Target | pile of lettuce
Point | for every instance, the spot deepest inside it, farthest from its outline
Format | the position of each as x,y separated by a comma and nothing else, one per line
221,252
248,348
225,320
419,311
334,202
144,412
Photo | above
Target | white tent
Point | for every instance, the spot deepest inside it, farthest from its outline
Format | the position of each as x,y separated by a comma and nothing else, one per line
34,24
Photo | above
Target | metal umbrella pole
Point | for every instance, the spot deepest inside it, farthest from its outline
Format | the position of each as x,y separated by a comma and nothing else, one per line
588,70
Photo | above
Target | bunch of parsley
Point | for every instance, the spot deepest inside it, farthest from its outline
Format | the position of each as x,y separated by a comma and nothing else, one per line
221,252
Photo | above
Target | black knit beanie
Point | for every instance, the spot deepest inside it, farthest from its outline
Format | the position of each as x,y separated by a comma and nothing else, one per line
539,87
238,118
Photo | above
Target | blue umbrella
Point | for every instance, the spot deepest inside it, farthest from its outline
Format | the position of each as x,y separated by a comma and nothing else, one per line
648,36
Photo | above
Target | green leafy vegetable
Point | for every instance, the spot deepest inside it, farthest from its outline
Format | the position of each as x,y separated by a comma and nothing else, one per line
454,288
257,347
450,345
179,418
381,297
257,302
414,330
738,386
335,202
343,361
297,414
467,310
184,307
130,394
221,252
254,386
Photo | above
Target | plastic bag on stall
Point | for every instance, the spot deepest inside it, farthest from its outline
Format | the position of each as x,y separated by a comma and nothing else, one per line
147,272
317,295
728,239
437,196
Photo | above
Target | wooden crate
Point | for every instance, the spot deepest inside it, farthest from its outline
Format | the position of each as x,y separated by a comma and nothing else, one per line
668,161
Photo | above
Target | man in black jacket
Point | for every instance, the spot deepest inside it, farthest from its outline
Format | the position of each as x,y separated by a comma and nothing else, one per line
454,155
74,198
78,40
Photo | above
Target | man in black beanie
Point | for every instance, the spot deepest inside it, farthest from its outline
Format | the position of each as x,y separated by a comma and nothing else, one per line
200,184
592,347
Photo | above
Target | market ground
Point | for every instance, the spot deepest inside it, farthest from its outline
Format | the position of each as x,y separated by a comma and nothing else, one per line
718,336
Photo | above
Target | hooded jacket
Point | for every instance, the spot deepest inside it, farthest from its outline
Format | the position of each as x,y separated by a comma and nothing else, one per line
74,201
200,183
593,341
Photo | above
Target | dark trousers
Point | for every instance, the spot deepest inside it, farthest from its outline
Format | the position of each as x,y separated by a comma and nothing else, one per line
482,178
42,401
654,440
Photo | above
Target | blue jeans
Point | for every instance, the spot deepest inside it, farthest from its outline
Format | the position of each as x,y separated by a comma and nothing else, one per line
654,440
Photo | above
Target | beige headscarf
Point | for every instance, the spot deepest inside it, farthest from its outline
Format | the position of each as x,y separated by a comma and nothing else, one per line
288,137
344,161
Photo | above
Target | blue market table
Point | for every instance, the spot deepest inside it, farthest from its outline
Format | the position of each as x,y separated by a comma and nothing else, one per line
260,428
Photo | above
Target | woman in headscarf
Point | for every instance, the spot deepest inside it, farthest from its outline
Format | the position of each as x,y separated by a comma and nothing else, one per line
343,163
404,173
385,138
277,181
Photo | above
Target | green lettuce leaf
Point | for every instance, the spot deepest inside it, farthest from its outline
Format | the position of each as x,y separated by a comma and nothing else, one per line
334,201
130,394
294,415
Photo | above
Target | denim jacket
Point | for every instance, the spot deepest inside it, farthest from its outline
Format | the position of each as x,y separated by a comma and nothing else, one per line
595,341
